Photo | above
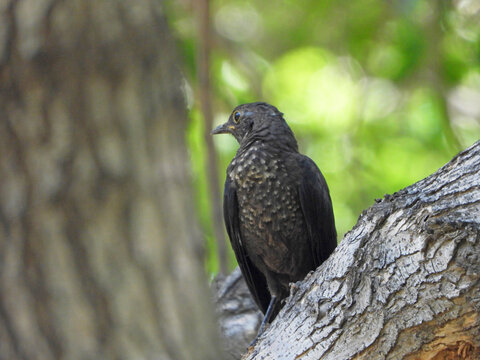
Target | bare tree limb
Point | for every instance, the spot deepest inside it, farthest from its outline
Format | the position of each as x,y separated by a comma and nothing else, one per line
238,315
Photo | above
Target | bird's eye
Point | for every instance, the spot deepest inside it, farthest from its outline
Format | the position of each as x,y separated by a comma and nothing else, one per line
236,117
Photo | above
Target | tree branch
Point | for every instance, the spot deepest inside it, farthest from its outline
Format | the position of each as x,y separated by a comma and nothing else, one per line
203,74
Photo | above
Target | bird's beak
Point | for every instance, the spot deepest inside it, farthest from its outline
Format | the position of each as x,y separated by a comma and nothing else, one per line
223,129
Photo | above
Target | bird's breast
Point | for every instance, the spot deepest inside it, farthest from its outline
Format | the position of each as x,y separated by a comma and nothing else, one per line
269,207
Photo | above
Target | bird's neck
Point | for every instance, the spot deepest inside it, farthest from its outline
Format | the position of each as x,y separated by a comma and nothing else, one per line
269,142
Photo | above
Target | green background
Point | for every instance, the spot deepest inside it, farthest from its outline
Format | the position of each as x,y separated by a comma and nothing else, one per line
379,94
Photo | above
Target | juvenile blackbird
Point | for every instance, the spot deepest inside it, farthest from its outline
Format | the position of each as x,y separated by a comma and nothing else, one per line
277,206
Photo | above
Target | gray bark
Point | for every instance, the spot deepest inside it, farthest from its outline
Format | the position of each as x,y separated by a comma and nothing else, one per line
404,283
100,256
237,313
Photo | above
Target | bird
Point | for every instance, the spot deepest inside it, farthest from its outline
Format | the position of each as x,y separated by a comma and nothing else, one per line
277,207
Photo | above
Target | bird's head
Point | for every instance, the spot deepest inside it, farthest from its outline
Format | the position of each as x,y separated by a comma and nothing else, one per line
257,120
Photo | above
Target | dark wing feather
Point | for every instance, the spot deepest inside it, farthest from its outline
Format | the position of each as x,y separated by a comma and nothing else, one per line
255,280
317,211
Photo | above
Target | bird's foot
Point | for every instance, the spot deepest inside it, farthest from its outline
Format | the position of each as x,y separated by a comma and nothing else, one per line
260,332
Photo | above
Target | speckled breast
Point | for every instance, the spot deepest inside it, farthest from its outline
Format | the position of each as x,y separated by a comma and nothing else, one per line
268,205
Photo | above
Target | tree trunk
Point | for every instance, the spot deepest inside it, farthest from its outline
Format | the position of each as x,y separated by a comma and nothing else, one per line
403,284
100,256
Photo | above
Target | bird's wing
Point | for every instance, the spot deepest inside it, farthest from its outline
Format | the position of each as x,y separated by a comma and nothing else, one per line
255,280
317,211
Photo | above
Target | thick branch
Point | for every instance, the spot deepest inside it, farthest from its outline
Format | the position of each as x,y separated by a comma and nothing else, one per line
238,315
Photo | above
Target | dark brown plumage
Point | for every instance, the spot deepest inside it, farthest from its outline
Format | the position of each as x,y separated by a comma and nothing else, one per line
277,206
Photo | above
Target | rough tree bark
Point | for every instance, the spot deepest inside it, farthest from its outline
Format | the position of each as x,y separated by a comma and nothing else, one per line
99,253
238,315
403,284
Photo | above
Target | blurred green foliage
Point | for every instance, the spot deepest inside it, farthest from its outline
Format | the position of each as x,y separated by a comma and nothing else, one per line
379,93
